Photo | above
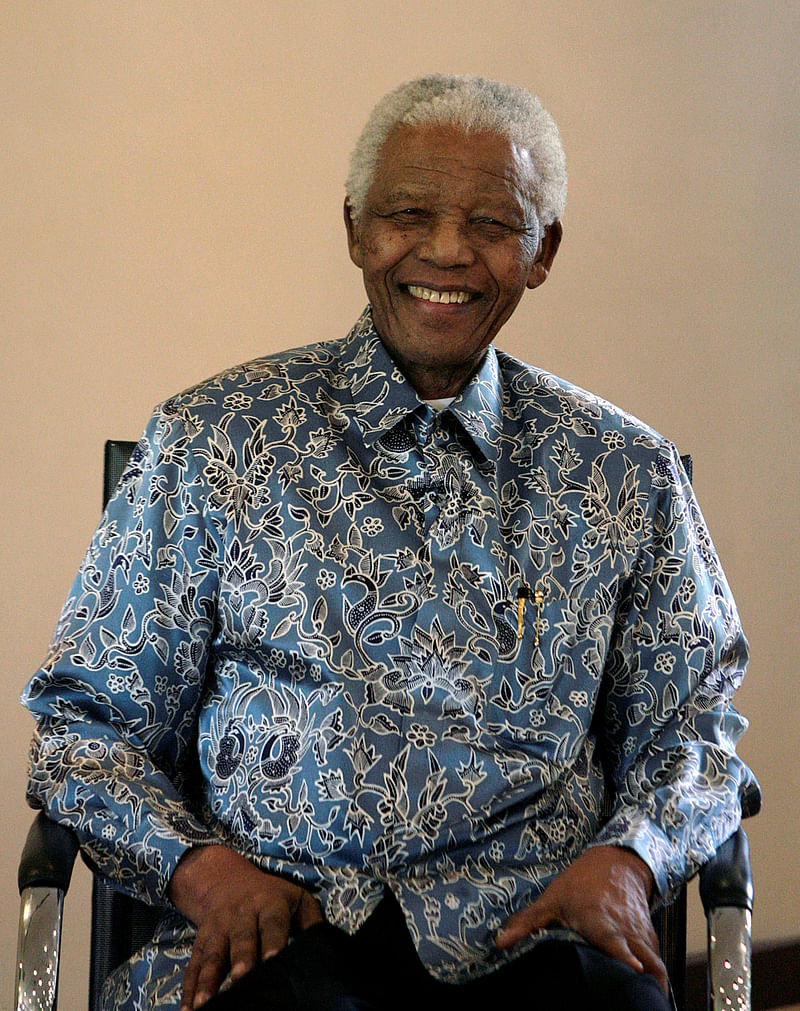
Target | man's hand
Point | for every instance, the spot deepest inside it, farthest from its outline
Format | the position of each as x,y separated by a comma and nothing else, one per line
603,896
242,916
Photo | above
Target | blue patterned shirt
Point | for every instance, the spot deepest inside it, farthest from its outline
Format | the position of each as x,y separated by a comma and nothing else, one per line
368,644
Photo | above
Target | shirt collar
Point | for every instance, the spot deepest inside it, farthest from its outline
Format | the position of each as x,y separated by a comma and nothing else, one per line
383,398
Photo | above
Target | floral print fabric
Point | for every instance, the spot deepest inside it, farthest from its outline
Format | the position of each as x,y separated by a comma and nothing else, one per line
369,645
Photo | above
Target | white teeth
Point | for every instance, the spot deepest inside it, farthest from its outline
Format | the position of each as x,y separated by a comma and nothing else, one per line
445,297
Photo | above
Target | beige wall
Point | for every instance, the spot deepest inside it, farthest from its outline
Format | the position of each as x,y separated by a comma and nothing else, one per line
171,179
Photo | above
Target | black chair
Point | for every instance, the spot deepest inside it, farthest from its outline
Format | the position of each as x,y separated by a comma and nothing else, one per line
120,924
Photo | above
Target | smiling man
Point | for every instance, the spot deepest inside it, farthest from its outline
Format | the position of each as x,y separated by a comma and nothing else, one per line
396,648
448,240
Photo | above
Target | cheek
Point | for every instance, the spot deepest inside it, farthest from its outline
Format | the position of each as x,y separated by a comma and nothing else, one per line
382,250
512,274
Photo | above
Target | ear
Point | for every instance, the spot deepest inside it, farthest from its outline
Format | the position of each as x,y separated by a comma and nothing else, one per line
353,240
548,248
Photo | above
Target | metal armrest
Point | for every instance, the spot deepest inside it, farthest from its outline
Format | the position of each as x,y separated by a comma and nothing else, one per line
726,889
48,855
726,879
45,870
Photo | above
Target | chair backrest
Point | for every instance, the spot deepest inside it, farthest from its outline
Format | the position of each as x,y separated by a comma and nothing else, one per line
121,924
670,921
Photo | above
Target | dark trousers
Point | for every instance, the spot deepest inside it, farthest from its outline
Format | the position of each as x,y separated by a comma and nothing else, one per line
378,970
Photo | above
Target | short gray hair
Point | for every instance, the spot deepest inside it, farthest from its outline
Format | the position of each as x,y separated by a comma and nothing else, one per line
474,104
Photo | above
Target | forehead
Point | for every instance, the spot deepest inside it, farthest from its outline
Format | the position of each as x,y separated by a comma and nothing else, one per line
445,160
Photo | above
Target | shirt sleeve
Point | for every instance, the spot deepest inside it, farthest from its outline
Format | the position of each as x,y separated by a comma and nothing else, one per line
670,729
116,700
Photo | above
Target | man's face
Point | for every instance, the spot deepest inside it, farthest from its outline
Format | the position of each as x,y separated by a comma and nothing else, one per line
448,241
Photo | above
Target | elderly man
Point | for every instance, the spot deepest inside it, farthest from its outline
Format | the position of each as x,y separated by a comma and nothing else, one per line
396,646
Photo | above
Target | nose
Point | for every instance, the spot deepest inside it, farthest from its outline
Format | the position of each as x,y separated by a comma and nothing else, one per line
446,244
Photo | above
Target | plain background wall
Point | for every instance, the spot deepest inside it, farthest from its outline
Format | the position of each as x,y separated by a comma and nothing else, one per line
171,178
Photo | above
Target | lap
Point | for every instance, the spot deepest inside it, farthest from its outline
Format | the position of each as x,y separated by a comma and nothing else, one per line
378,970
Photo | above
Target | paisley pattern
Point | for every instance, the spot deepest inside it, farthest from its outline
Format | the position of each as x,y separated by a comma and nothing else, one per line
371,645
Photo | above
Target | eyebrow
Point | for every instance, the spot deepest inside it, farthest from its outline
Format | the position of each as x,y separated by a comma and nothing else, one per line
402,193
408,193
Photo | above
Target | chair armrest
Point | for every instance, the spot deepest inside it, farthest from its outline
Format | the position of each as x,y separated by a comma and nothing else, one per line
48,855
726,889
726,879
750,799
38,948
45,869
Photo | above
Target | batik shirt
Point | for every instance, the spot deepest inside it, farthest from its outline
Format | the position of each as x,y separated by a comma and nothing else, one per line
371,645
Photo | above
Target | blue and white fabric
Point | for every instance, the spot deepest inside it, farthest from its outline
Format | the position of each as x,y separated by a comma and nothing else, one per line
368,644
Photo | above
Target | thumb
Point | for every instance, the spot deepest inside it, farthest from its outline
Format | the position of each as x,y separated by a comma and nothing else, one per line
533,919
308,912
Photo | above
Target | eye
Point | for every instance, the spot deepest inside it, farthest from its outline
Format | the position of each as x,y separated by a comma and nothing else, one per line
409,214
493,224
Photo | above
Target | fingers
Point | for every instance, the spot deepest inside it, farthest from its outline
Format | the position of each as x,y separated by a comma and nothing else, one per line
309,912
273,929
651,963
635,951
602,897
244,947
530,920
213,953
242,915
297,911
638,949
643,944
204,973
237,935
639,956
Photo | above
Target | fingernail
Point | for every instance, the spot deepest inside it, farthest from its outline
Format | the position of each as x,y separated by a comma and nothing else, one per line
201,998
238,970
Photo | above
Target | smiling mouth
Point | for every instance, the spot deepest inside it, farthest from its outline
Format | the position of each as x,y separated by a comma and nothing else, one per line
442,297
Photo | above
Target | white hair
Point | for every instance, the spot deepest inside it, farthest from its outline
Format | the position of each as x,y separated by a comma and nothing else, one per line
475,104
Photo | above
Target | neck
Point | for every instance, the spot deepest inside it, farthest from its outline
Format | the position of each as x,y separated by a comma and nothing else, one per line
438,383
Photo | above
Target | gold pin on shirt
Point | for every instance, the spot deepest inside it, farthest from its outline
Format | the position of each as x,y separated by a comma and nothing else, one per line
523,594
538,599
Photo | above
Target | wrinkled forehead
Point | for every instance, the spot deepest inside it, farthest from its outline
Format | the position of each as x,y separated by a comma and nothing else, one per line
442,156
